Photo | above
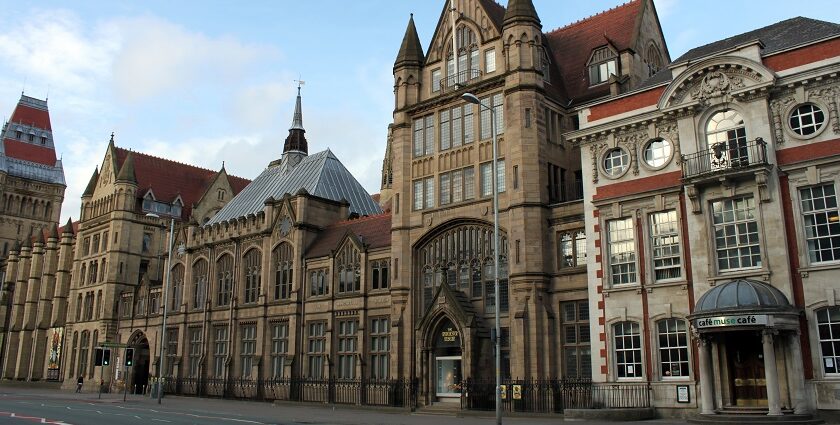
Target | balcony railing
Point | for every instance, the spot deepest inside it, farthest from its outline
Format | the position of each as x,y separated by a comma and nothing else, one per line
724,158
458,80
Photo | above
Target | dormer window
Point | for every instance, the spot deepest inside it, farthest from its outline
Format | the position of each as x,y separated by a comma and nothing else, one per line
31,136
19,133
147,202
602,64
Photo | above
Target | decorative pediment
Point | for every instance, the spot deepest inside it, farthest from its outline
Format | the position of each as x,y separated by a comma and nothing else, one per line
284,217
725,77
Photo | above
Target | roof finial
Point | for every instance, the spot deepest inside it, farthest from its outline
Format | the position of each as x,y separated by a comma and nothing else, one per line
112,137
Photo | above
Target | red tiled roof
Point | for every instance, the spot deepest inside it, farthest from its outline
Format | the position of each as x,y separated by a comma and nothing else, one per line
28,115
167,179
374,230
573,44
29,152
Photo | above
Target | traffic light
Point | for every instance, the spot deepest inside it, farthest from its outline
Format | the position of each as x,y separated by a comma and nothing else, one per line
97,357
129,356
106,356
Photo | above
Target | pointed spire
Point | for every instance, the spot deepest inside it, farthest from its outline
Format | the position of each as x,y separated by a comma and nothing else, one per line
126,173
297,118
411,51
16,246
68,228
91,186
54,231
41,239
521,11
296,140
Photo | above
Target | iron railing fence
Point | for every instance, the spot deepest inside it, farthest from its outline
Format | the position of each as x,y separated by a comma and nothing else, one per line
553,395
367,392
724,157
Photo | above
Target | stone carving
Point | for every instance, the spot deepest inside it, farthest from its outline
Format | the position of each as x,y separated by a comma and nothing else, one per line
778,107
595,150
670,131
828,94
631,142
715,84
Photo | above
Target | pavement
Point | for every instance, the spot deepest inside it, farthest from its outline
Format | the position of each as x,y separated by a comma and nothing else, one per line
20,406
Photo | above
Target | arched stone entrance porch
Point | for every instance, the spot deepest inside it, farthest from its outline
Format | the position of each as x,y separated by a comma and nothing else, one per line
139,371
447,352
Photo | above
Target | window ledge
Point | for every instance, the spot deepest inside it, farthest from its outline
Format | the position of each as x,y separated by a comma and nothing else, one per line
834,265
761,273
668,283
623,288
571,270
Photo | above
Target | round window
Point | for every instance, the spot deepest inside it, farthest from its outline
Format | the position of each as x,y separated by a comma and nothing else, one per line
657,152
616,162
806,119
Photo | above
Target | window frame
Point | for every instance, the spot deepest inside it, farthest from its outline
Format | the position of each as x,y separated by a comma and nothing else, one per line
652,246
758,231
684,349
636,337
635,259
379,351
603,55
578,322
834,340
575,236
279,348
826,211
818,129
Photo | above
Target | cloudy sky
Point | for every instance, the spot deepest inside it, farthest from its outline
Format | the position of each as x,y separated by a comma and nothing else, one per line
208,81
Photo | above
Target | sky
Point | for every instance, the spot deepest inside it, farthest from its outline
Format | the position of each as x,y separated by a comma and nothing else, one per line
212,81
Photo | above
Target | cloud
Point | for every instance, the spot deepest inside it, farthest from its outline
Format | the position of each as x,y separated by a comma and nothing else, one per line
157,57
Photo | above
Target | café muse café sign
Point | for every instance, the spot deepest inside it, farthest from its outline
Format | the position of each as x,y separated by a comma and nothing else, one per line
724,321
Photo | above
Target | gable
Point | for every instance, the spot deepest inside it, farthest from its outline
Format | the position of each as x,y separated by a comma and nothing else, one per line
484,17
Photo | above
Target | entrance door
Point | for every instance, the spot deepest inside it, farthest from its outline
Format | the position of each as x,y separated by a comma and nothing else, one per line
746,366
140,378
448,376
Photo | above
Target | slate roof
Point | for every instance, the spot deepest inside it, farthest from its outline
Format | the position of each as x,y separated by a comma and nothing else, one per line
776,37
168,179
35,159
320,174
374,231
573,44
29,152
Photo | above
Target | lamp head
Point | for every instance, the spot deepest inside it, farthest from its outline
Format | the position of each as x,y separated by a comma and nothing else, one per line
153,215
471,98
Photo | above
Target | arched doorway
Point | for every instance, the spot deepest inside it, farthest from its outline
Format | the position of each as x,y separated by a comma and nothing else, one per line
447,362
140,369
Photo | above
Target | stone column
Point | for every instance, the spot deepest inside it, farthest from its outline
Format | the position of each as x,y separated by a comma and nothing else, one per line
797,375
707,399
771,374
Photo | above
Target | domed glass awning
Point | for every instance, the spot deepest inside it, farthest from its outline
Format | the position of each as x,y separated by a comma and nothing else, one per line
743,304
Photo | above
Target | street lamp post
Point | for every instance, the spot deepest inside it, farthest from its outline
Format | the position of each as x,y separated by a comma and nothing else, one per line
471,98
168,272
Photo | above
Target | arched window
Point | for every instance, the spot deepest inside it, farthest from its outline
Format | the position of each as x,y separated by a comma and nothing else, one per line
281,259
199,275
468,58
463,257
348,269
224,279
79,308
73,354
628,350
82,275
828,329
726,137
93,344
653,60
251,268
673,348
177,287
84,346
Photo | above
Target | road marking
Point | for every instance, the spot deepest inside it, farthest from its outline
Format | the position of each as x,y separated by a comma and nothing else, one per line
160,420
33,418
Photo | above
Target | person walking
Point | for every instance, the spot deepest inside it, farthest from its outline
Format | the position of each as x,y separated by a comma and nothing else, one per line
79,383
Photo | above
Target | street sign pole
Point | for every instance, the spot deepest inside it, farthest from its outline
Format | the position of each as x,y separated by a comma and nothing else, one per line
101,371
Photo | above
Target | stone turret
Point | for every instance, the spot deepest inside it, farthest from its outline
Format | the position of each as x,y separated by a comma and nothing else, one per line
522,35
407,67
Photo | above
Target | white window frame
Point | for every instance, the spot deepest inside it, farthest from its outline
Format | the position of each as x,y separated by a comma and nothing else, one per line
833,339
683,350
640,374
714,240
655,233
633,269
827,212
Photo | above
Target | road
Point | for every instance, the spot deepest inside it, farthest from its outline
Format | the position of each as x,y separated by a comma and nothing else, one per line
22,406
